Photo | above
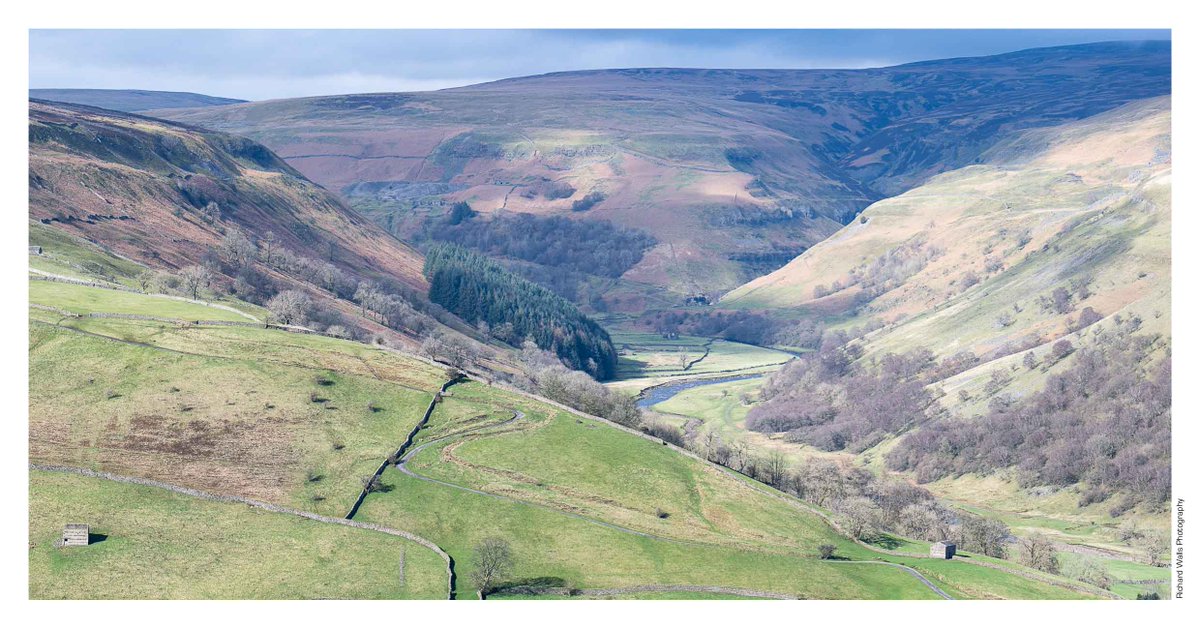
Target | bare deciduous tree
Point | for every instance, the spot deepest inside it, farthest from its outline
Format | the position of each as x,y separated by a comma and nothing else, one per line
290,306
860,515
775,467
1038,552
1157,546
371,484
145,280
237,248
984,535
194,279
493,561
269,243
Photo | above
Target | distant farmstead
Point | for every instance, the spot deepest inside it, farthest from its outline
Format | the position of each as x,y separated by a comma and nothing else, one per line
76,535
942,550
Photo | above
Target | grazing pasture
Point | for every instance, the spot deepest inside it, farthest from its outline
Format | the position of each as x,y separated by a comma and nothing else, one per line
153,543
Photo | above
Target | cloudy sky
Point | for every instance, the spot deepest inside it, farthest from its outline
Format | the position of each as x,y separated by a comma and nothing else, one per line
258,65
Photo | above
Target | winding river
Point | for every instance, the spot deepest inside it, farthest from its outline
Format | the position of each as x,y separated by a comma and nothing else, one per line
664,392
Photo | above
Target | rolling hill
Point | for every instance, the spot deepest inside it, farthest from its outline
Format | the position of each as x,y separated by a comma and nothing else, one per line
734,172
224,332
971,260
169,437
141,186
171,196
1018,274
130,100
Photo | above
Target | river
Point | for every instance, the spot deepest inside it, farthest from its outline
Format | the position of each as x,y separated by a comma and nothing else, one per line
664,392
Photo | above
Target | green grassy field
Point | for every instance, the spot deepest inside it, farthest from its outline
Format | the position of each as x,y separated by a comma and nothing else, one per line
568,521
66,255
160,544
628,596
85,299
240,426
1122,570
285,418
647,359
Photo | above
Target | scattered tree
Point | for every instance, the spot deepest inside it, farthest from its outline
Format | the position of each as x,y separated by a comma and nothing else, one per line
1157,546
492,562
370,484
984,535
1029,360
290,307
194,279
861,516
237,248
1039,553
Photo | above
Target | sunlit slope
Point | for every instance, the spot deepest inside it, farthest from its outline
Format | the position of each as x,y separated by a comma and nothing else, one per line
971,260
298,420
586,505
150,543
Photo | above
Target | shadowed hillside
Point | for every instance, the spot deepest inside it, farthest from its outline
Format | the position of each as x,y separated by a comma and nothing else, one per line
732,171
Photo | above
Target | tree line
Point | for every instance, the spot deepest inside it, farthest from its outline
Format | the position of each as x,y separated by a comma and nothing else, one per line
242,265
477,289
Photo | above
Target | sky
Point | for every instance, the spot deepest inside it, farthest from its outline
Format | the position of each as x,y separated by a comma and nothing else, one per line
264,64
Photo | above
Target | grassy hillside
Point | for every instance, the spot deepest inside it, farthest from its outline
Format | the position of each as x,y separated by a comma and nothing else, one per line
730,170
1058,235
159,207
143,187
84,299
1004,257
672,520
1085,201
298,420
150,543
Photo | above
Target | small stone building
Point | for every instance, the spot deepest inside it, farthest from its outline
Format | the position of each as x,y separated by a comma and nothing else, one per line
942,550
35,250
76,535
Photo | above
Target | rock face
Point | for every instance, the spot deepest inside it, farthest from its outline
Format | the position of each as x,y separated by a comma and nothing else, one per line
728,169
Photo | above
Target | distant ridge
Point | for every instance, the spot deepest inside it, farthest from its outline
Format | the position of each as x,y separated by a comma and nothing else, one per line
131,100
733,172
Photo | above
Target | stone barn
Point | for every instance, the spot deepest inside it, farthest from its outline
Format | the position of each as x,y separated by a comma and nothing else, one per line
942,550
76,535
